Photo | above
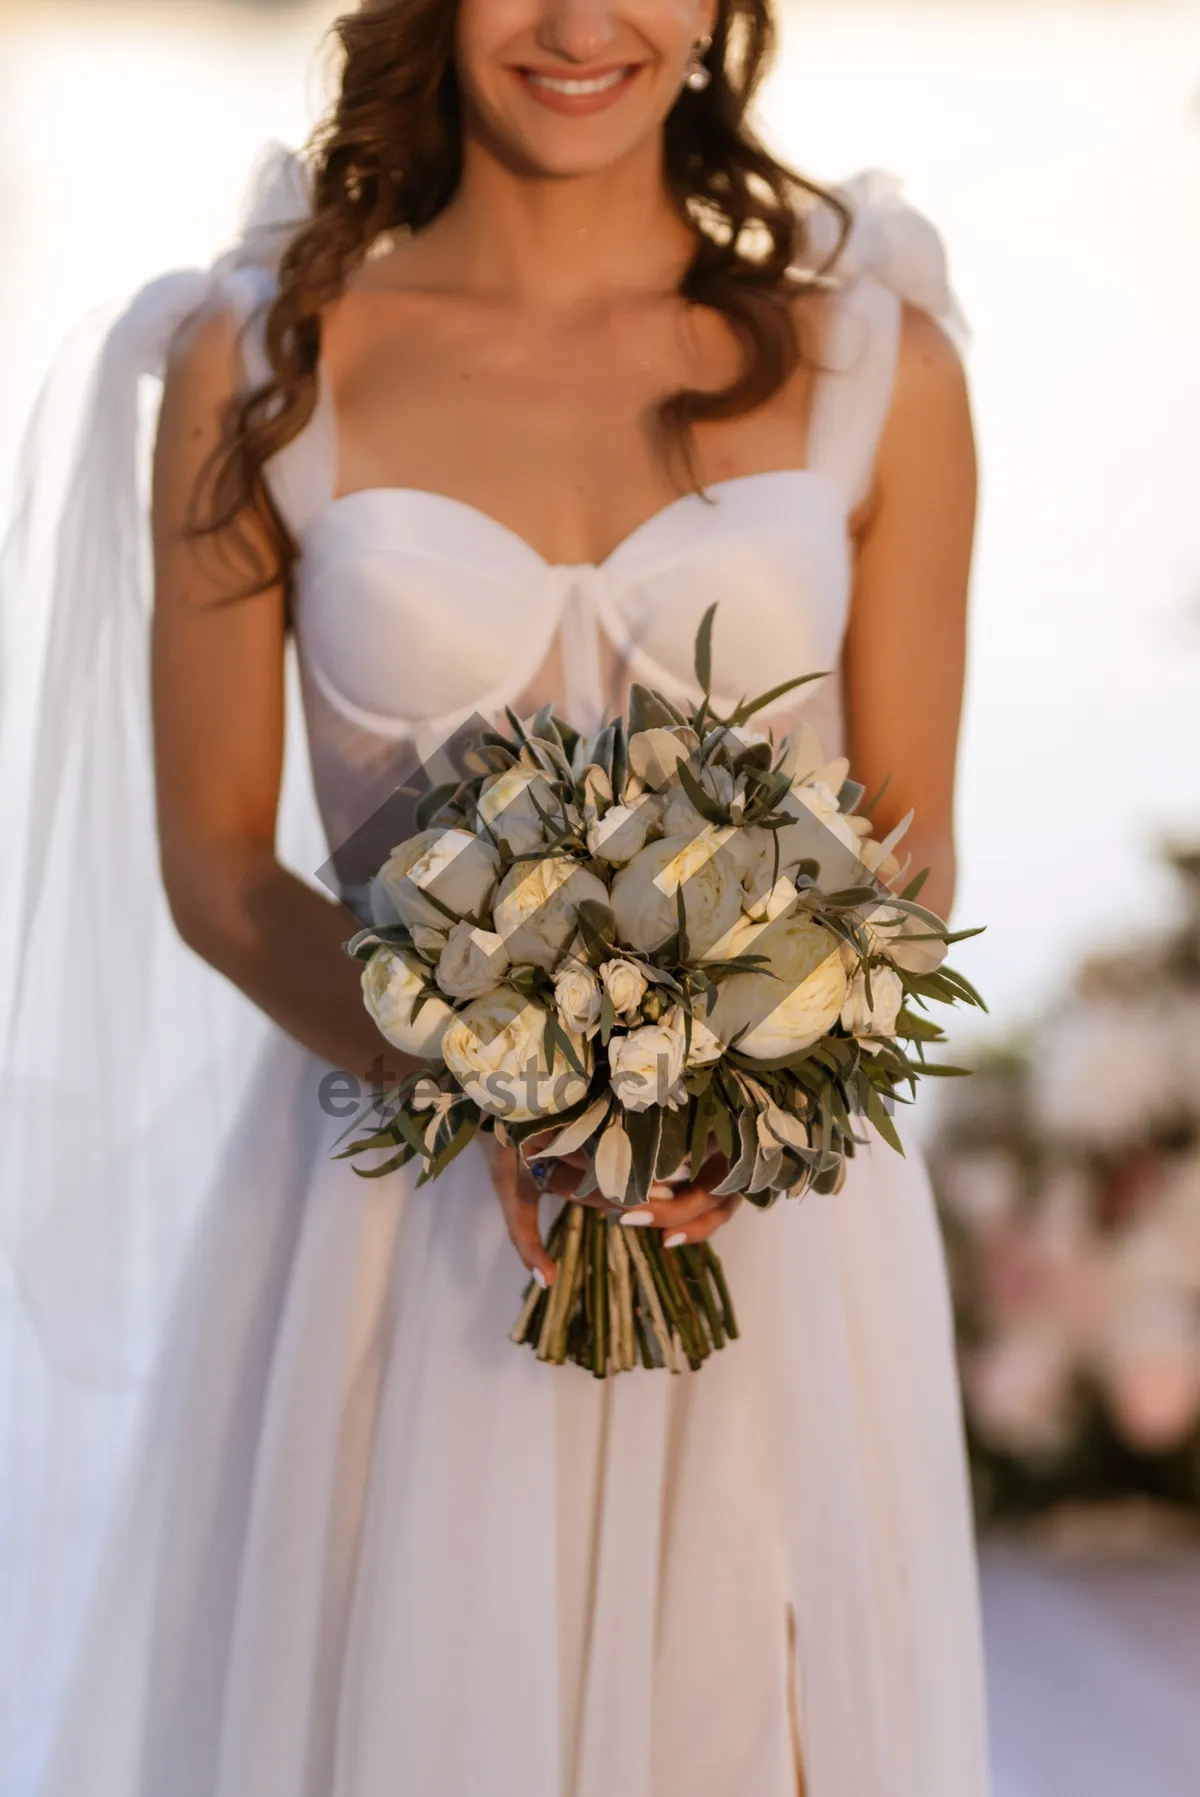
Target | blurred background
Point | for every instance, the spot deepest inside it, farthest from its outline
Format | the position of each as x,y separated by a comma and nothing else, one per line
1057,146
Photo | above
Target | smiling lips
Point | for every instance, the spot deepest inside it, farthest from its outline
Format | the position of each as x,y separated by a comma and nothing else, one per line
578,93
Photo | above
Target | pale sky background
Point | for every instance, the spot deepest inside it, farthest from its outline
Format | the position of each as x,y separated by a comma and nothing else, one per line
1058,149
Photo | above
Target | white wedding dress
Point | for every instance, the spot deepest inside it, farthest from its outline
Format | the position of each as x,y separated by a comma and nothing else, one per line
370,1549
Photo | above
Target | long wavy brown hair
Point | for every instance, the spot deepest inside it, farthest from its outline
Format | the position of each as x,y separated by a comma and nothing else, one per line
388,159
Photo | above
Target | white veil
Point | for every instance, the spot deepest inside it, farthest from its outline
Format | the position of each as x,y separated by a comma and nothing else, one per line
122,1056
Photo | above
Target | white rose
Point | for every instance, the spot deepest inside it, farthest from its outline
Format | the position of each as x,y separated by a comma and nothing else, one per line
456,867
646,1066
791,1006
577,992
877,1017
706,1046
473,962
643,894
507,805
536,904
621,832
391,984
496,1051
626,987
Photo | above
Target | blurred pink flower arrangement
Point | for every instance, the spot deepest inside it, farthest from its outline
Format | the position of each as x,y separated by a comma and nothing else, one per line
1068,1177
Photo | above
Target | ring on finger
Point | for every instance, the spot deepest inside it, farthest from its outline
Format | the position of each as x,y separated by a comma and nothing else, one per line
542,1173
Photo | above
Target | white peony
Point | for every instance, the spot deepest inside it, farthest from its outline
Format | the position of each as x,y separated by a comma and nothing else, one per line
789,1007
456,867
767,888
644,893
577,992
621,832
392,981
496,1051
646,1066
626,987
740,940
473,962
877,1016
816,835
507,806
536,904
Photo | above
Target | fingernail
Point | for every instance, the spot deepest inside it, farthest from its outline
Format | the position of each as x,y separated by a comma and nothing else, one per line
659,1190
643,1218
541,1278
675,1241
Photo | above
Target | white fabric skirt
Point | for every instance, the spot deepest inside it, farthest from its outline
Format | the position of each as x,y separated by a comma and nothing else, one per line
368,1548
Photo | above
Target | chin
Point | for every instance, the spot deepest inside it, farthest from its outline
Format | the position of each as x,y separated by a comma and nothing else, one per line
566,161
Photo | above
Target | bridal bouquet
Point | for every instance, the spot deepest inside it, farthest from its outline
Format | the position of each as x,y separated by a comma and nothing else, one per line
671,940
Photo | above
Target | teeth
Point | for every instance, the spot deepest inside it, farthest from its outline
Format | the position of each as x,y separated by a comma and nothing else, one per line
564,84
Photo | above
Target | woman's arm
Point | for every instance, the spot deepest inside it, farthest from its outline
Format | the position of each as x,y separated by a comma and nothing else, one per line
906,640
218,704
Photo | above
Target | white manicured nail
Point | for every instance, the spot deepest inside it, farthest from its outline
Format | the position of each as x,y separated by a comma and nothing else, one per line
642,1218
541,1278
659,1190
675,1241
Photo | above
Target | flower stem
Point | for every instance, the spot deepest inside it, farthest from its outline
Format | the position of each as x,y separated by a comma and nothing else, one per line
621,1298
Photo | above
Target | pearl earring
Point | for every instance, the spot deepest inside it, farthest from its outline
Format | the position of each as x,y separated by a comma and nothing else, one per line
698,74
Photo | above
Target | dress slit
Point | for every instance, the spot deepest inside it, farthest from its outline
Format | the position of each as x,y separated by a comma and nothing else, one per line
793,1702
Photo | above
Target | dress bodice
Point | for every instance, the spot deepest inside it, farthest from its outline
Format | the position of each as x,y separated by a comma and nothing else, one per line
414,611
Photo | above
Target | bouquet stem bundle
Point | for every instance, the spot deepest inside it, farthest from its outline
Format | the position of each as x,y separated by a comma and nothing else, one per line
621,1299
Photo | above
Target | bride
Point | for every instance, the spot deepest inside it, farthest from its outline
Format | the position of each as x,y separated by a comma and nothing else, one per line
559,355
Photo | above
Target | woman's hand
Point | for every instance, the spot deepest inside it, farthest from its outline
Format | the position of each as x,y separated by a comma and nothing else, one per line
519,1199
689,1213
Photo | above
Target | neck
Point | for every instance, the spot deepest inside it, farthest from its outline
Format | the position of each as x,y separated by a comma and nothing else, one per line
559,239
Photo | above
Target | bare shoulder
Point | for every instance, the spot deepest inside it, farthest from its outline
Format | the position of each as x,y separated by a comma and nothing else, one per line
931,381
204,364
203,379
929,435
